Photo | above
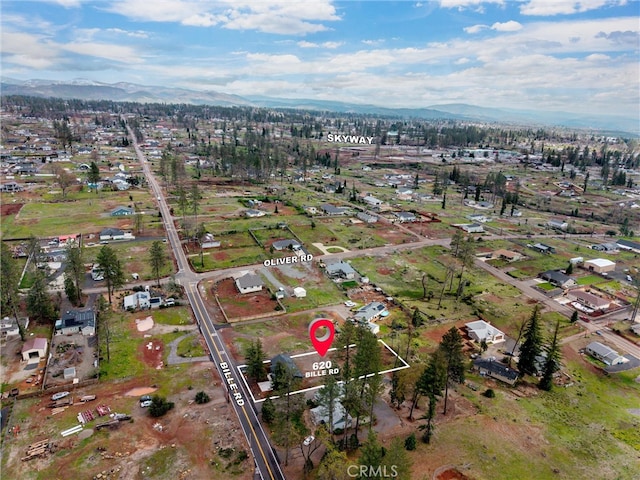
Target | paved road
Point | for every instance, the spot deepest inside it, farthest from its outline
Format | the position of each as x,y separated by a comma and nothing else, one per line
267,464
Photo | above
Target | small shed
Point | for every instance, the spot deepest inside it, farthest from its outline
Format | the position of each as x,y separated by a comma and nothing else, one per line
299,292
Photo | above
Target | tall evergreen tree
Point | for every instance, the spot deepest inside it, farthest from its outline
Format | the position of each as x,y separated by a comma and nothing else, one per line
254,357
451,348
157,259
532,345
93,176
39,303
551,363
74,269
111,269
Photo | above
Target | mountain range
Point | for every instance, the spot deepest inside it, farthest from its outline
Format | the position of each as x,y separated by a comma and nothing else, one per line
129,92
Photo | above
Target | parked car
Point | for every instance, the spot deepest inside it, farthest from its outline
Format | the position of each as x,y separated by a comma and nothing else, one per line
349,304
308,440
170,302
145,401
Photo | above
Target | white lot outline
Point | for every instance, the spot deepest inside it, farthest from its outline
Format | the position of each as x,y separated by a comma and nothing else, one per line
310,389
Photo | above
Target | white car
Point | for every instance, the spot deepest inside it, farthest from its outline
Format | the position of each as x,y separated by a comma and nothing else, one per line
349,304
308,440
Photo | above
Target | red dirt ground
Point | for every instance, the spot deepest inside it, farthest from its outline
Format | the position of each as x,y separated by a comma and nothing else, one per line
152,356
10,208
237,305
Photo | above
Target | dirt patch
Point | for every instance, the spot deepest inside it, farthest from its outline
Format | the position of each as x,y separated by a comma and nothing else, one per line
139,391
151,353
452,474
10,208
237,305
384,271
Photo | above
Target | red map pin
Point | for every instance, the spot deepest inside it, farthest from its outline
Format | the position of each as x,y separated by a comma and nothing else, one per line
323,343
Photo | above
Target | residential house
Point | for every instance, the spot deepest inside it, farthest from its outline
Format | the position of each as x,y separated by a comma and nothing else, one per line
137,300
34,349
370,312
340,417
606,247
9,327
10,187
600,265
557,224
341,270
280,245
115,234
495,370
589,300
76,321
471,227
287,361
508,255
478,218
372,202
481,330
628,245
249,283
122,212
329,209
311,210
365,217
542,248
207,241
405,217
605,354
559,279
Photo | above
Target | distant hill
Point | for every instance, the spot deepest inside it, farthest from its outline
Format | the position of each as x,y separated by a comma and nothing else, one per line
130,92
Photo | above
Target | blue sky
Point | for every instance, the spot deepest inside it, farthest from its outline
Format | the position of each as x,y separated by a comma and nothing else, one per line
579,56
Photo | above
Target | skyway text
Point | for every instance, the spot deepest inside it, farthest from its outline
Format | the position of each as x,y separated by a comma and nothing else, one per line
331,138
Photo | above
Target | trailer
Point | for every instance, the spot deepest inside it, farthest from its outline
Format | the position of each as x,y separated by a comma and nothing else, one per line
87,398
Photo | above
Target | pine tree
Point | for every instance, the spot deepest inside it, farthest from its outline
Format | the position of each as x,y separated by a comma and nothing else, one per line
532,344
111,269
451,348
551,363
39,303
157,259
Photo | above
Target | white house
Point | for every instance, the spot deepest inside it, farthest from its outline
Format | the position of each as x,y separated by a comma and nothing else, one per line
481,330
34,349
249,283
9,327
471,227
137,300
115,234
557,224
251,213
605,354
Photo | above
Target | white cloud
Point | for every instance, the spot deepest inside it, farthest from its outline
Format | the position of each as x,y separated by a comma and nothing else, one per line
510,26
27,50
329,45
462,4
476,28
564,7
269,16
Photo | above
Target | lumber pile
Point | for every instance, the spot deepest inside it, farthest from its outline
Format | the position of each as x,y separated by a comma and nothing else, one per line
37,449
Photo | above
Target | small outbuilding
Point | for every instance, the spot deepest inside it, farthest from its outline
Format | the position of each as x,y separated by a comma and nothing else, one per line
34,349
299,292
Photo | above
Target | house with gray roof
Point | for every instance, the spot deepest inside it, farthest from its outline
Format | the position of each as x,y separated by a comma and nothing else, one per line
495,370
405,217
369,312
284,244
76,321
559,279
341,270
249,283
329,209
605,354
